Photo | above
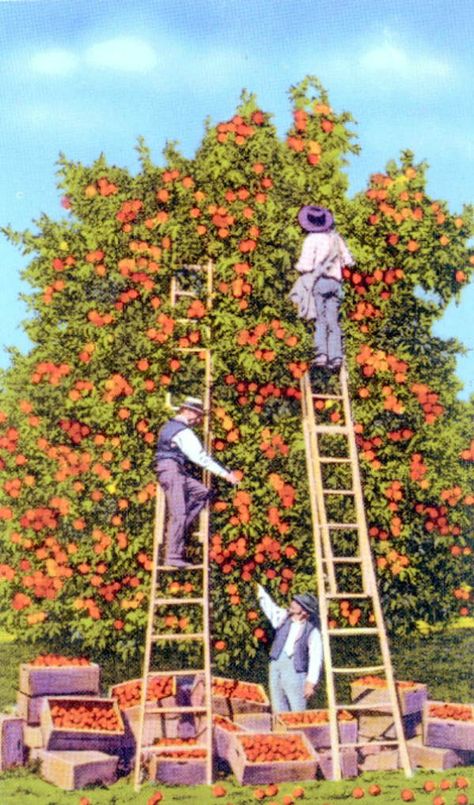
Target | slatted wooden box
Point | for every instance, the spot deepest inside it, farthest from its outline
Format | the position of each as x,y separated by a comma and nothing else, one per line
254,722
155,725
73,770
453,731
348,761
231,696
33,737
29,707
60,680
377,758
317,731
411,695
432,758
101,739
177,766
250,772
379,725
12,748
224,731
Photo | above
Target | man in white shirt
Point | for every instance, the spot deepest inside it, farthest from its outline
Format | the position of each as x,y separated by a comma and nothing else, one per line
185,497
296,653
318,292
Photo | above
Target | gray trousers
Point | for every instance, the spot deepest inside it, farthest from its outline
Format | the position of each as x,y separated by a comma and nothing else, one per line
327,294
286,685
185,497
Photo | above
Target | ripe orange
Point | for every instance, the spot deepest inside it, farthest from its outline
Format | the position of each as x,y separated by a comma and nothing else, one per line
407,795
374,790
358,793
429,786
218,791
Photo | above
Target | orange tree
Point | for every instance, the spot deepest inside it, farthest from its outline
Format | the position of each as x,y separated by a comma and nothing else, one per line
80,411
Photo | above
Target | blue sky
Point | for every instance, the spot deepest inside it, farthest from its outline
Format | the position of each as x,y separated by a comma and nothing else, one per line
86,76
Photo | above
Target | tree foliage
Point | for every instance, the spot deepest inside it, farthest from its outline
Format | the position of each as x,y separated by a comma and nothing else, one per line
81,410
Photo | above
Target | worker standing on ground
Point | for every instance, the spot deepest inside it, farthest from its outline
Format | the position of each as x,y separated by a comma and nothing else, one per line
185,496
318,292
296,653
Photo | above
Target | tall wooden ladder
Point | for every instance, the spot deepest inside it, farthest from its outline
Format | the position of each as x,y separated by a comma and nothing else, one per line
161,572
330,446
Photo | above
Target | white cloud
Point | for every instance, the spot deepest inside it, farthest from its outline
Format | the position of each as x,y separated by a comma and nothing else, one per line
55,61
389,58
124,53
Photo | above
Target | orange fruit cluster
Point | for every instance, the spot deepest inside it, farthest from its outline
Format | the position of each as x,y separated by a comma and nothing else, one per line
312,717
270,748
96,716
57,660
457,712
233,689
128,694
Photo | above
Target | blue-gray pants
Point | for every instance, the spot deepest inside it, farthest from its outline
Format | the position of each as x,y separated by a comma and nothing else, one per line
286,685
185,497
327,298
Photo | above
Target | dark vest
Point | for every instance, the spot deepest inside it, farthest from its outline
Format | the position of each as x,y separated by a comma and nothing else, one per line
166,450
301,653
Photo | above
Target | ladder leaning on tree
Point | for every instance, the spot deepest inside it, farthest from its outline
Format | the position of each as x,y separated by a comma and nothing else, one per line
158,600
331,532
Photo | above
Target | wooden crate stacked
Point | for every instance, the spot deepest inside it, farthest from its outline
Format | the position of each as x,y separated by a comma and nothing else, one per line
58,700
378,725
315,725
448,736
161,691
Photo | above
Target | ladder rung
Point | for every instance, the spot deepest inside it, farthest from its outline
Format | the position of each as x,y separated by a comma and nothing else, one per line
354,630
191,349
379,742
332,429
341,525
165,601
177,636
366,669
184,293
190,709
344,560
171,567
348,595
338,492
384,706
186,672
316,396
330,460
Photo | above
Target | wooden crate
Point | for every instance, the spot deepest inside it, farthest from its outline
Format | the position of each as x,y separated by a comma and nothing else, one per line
254,722
59,680
29,707
232,704
432,758
448,733
155,725
411,699
12,748
376,758
128,693
348,761
33,737
69,738
378,725
72,770
318,734
222,738
275,771
173,770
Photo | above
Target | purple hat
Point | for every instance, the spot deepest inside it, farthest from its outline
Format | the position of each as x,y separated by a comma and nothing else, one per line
315,219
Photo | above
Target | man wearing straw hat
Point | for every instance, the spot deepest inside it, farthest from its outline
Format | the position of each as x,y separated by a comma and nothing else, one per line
185,496
318,291
296,653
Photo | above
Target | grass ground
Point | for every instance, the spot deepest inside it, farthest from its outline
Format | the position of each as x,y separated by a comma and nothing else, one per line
22,788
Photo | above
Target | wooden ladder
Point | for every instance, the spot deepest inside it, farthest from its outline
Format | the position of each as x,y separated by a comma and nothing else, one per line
327,565
159,571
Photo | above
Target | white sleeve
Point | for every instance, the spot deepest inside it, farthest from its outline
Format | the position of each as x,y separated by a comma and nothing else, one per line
346,257
189,444
307,257
315,657
275,614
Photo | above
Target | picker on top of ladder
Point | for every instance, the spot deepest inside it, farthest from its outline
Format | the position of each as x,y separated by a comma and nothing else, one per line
185,496
318,291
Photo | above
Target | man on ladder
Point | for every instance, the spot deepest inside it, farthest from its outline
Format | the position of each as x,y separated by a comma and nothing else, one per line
185,496
318,292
